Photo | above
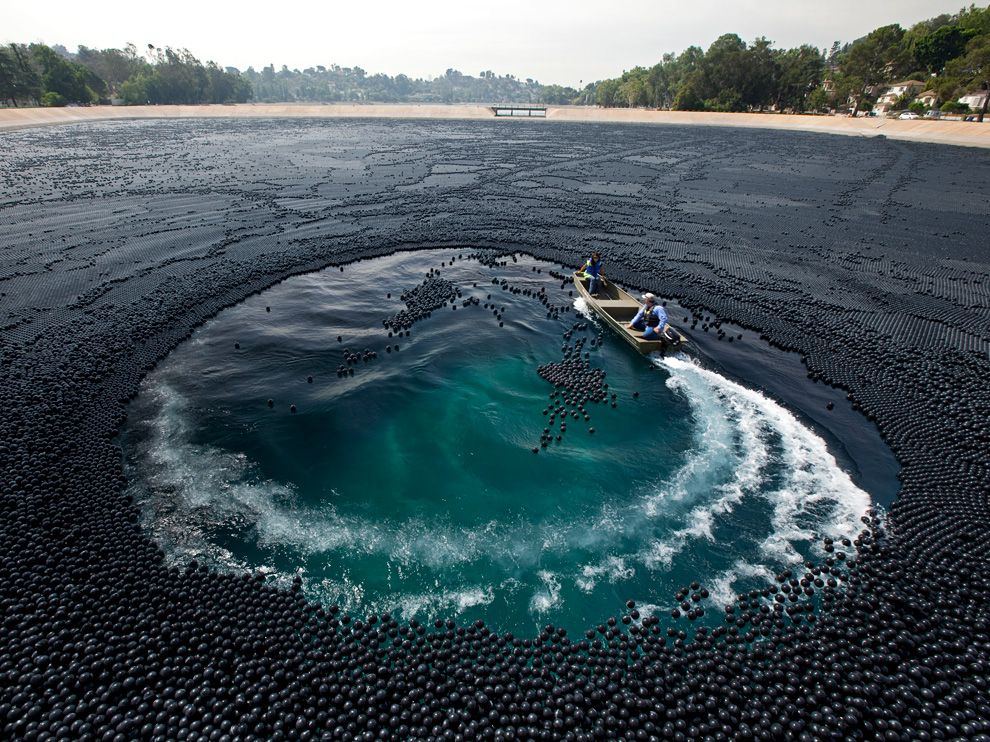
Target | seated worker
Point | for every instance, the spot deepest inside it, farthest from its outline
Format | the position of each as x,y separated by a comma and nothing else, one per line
651,319
594,270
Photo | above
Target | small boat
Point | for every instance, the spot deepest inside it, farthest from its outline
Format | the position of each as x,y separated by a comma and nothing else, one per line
617,308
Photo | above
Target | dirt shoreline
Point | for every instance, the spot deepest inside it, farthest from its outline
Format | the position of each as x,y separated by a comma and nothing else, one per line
965,134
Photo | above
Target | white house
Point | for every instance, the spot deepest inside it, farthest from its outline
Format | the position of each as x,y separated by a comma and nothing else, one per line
975,100
891,95
929,98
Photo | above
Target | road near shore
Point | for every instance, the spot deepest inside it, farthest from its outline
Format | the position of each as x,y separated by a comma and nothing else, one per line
967,134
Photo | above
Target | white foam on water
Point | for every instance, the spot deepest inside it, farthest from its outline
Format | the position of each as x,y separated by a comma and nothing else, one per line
206,486
658,555
731,440
548,596
441,602
612,568
713,434
739,436
721,591
346,593
199,487
650,609
815,498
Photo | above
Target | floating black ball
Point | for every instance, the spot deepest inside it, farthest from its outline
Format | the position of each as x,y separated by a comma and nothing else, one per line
104,639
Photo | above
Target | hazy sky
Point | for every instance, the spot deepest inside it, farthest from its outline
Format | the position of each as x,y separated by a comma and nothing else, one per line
562,41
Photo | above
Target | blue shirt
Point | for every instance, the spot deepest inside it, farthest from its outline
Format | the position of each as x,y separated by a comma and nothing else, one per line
658,311
593,268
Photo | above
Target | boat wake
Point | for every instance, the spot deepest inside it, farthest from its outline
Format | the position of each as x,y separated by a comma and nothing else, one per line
744,490
751,448
756,491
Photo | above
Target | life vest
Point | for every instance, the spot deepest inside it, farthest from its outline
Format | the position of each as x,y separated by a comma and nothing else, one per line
651,317
593,268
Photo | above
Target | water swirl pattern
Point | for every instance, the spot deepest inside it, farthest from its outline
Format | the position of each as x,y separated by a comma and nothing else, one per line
410,485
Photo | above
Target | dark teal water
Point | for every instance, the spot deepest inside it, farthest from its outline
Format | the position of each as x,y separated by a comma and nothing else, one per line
411,486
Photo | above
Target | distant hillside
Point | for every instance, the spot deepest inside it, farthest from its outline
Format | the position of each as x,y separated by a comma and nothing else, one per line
334,83
949,54
37,74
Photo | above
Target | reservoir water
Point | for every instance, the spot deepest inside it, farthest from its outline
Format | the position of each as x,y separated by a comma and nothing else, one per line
292,434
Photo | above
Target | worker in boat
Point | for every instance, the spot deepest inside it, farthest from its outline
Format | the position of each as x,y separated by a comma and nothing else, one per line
651,319
593,269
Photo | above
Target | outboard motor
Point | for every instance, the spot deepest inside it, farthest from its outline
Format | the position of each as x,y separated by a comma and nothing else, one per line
672,336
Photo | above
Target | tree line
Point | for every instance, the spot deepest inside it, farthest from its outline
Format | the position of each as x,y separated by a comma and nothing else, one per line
334,83
730,76
37,74
950,53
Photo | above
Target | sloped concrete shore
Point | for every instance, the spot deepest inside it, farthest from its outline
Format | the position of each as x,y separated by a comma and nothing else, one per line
967,134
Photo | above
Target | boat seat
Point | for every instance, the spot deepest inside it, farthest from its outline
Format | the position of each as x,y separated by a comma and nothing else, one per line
617,303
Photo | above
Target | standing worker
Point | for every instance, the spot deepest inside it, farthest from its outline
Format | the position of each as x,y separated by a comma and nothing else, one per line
651,319
593,269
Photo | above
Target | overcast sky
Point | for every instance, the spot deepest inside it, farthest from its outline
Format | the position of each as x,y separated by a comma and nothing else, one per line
553,41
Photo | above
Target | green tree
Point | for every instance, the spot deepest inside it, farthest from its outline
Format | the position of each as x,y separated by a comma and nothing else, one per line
801,73
953,106
688,97
633,89
135,91
52,99
848,86
975,19
816,100
832,59
934,50
726,71
112,66
557,94
19,80
879,57
177,77
607,93
762,75
58,75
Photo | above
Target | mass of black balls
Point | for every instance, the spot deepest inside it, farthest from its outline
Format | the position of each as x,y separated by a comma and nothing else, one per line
421,301
352,359
576,385
867,256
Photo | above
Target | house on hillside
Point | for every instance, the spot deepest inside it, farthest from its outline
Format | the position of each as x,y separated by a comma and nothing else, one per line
929,98
975,100
892,94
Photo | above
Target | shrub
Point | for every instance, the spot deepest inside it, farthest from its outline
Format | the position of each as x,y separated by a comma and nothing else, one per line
954,106
687,99
51,99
